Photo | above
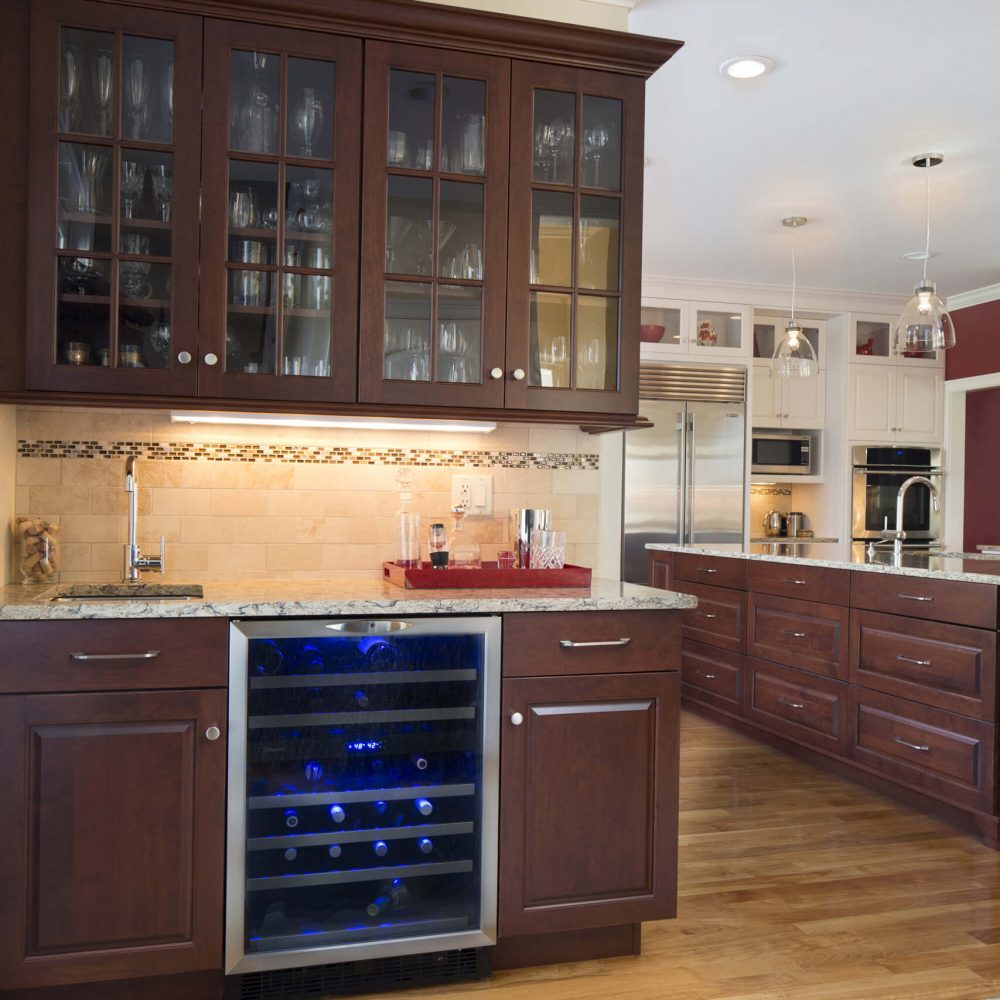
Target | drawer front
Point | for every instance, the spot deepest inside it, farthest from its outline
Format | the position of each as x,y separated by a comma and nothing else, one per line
939,753
813,637
799,706
717,571
719,619
802,583
712,676
113,655
954,601
533,642
944,666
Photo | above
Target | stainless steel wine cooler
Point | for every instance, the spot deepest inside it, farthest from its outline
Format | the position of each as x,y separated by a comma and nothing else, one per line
363,782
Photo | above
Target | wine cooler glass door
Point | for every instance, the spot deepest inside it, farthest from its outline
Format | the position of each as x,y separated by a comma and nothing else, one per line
362,789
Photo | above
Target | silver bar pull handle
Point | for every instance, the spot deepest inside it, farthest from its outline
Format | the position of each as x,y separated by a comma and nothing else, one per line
798,583
570,644
706,614
150,654
705,569
914,597
794,635
708,677
791,704
922,747
911,659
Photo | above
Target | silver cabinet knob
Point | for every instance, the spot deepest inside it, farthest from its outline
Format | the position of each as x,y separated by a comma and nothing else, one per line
496,373
211,359
516,718
184,357
518,374
212,733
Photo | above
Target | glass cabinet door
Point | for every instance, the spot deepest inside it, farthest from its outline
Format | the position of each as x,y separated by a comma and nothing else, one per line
279,252
575,221
114,193
433,241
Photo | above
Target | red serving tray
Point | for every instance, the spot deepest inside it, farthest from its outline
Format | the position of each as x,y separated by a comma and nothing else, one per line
490,575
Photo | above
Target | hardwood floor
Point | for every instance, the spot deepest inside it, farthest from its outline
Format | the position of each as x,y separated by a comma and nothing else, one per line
795,885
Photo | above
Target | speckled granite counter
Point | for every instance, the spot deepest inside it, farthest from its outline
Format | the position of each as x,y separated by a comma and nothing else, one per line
967,567
269,599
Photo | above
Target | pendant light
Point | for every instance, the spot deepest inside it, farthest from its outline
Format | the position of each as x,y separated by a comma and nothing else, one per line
924,325
794,356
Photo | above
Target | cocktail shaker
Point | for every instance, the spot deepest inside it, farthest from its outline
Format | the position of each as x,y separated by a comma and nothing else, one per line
524,520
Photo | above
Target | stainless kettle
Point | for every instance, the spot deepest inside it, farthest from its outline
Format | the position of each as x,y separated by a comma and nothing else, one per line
774,523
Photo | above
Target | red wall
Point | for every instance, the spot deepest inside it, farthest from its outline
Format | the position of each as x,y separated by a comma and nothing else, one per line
982,468
977,342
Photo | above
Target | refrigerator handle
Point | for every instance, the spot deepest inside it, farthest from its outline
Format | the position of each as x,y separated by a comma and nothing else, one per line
681,458
690,480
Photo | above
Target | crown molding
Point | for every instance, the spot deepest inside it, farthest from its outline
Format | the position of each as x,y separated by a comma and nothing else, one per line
769,296
974,297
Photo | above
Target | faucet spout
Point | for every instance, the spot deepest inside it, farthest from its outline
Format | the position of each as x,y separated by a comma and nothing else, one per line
898,535
134,560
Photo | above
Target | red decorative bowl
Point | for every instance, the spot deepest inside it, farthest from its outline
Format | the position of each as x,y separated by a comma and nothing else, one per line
651,333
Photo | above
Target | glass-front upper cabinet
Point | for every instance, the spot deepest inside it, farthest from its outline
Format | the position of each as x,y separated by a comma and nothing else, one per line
575,239
279,251
434,228
115,95
768,331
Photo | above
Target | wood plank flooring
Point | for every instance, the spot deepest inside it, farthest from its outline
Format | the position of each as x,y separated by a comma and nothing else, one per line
795,885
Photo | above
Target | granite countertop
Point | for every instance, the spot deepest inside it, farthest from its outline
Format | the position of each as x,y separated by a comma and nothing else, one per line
961,566
268,599
796,540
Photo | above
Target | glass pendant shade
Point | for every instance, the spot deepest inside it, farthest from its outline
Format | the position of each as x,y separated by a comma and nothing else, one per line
794,356
924,325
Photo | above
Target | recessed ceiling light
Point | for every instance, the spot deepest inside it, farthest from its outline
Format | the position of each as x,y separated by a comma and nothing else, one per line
746,67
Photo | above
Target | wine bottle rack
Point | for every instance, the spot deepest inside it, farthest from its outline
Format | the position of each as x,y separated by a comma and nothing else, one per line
362,799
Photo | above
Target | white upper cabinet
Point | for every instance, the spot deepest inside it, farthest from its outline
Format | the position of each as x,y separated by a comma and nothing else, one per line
871,339
695,331
794,403
889,403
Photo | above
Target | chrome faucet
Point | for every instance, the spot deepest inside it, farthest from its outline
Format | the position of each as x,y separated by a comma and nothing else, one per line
134,562
897,536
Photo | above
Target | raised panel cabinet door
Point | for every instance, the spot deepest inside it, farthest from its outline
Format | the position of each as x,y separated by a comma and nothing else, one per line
279,254
588,801
113,833
804,402
871,402
434,227
765,398
575,238
113,199
919,405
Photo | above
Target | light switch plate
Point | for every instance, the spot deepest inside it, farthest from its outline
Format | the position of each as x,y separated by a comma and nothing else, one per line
476,492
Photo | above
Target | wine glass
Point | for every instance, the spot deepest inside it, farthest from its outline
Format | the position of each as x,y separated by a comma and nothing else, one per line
167,98
137,97
242,208
133,178
307,119
104,75
69,89
163,185
596,139
93,164
396,232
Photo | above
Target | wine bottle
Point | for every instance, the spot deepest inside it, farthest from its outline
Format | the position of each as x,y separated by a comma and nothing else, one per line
381,807
291,819
420,763
335,850
392,895
361,699
381,848
291,854
426,845
314,770
424,807
337,814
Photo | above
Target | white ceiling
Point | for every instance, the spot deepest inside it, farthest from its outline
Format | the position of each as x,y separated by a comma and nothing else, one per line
859,88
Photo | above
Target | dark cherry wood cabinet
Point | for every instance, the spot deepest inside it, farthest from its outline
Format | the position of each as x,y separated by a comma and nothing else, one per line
720,618
588,801
800,634
113,829
712,676
199,228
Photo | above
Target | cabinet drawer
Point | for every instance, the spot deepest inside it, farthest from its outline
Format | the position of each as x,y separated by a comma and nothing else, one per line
109,654
802,583
712,676
800,634
944,666
532,642
719,618
719,571
939,753
955,601
800,706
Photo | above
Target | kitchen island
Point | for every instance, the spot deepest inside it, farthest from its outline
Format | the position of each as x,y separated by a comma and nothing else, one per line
883,669
114,724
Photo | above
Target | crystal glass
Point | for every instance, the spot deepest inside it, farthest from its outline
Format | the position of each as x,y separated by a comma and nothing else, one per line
548,549
310,86
254,90
600,148
69,88
596,342
412,99
163,189
136,83
550,320
307,119
554,137
133,179
407,344
92,181
409,214
102,82
463,121
461,228
459,336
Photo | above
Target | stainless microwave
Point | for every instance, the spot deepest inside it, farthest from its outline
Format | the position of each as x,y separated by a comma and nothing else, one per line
777,454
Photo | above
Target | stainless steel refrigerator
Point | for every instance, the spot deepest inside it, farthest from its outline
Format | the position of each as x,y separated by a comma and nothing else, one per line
684,476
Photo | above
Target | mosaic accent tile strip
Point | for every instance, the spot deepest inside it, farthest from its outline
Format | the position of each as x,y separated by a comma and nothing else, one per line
770,491
186,451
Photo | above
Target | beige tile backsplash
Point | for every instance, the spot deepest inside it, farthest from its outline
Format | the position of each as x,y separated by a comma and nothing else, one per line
228,518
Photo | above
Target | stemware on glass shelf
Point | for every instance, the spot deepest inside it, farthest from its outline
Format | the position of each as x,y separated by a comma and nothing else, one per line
69,89
163,184
137,86
133,178
596,139
307,119
103,89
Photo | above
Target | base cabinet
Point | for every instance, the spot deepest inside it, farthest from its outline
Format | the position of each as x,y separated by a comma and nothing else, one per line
588,801
112,827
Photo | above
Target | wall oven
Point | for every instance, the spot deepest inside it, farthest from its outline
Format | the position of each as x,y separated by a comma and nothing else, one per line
879,471
363,787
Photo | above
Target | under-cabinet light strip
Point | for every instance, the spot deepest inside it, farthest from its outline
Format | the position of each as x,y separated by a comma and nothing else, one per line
320,420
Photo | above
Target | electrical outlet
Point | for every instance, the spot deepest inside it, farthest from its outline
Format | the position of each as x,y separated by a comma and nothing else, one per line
475,492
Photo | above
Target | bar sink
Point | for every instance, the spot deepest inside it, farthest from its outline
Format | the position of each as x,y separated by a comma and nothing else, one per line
128,592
